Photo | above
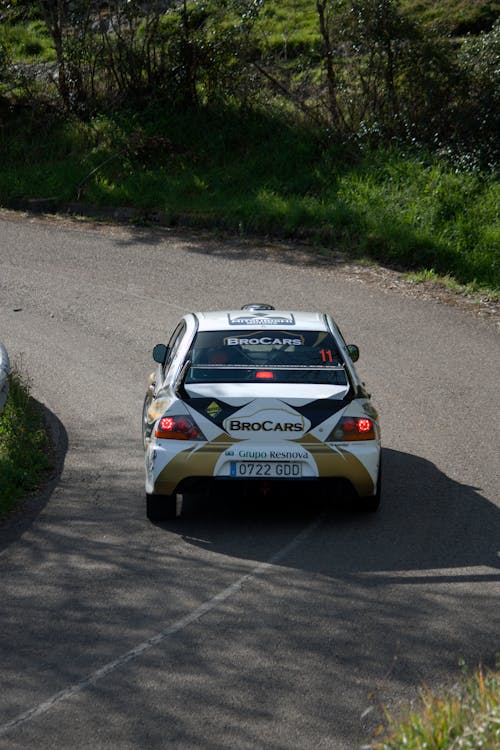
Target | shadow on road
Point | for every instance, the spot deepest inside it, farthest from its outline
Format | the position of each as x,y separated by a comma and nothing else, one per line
230,246
427,522
364,609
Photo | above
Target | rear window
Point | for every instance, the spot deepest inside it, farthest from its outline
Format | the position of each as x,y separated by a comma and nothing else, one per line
277,356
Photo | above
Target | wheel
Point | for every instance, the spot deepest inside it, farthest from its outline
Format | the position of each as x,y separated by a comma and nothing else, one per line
371,504
161,507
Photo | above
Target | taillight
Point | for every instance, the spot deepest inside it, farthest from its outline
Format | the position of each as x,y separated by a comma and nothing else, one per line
180,427
353,428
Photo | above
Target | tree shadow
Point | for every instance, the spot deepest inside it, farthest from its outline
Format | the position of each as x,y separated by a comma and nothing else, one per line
213,242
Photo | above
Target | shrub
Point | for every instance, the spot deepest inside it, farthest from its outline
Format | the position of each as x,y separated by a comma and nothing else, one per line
466,719
23,443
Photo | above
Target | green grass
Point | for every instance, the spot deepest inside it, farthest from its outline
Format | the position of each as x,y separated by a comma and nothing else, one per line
261,174
288,28
455,17
23,444
28,42
468,718
446,282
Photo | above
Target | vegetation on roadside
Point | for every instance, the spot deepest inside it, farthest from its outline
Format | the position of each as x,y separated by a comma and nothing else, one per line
261,175
467,718
23,444
358,125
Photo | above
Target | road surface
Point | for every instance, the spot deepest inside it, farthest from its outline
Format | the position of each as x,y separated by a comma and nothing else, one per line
243,624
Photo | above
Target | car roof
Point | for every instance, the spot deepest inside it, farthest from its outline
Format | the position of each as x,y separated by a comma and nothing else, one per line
229,319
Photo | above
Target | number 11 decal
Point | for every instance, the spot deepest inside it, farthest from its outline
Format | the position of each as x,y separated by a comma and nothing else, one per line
326,355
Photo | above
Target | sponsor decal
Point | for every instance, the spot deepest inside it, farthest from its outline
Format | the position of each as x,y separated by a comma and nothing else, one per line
213,409
272,455
282,455
266,425
260,318
270,424
255,455
263,341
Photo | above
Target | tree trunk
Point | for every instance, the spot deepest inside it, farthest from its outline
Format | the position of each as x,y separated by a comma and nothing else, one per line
331,79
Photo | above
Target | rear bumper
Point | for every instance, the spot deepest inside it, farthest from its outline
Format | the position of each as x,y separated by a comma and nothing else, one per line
174,466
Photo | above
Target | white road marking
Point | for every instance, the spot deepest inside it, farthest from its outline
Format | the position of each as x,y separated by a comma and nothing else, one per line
177,626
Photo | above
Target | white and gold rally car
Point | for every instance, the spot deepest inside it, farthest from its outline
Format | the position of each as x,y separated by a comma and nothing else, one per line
258,395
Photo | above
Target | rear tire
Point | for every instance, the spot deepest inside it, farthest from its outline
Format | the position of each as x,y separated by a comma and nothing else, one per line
161,507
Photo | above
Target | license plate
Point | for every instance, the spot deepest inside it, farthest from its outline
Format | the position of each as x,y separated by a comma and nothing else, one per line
265,470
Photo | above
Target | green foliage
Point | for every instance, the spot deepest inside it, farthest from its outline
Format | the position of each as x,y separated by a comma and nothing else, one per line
287,30
249,171
4,59
23,444
476,108
368,70
375,135
454,17
190,52
424,213
28,42
467,718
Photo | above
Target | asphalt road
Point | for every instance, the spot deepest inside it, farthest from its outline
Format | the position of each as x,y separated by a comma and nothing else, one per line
243,624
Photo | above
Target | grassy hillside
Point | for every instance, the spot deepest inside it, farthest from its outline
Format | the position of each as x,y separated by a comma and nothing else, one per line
293,24
256,148
289,24
260,175
454,17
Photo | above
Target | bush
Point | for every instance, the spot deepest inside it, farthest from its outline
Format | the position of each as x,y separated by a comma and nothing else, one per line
23,444
467,718
476,113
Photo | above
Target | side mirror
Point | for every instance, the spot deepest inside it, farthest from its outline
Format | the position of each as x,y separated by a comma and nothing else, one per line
353,352
160,353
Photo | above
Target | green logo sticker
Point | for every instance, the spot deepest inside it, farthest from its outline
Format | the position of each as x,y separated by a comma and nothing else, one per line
213,409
